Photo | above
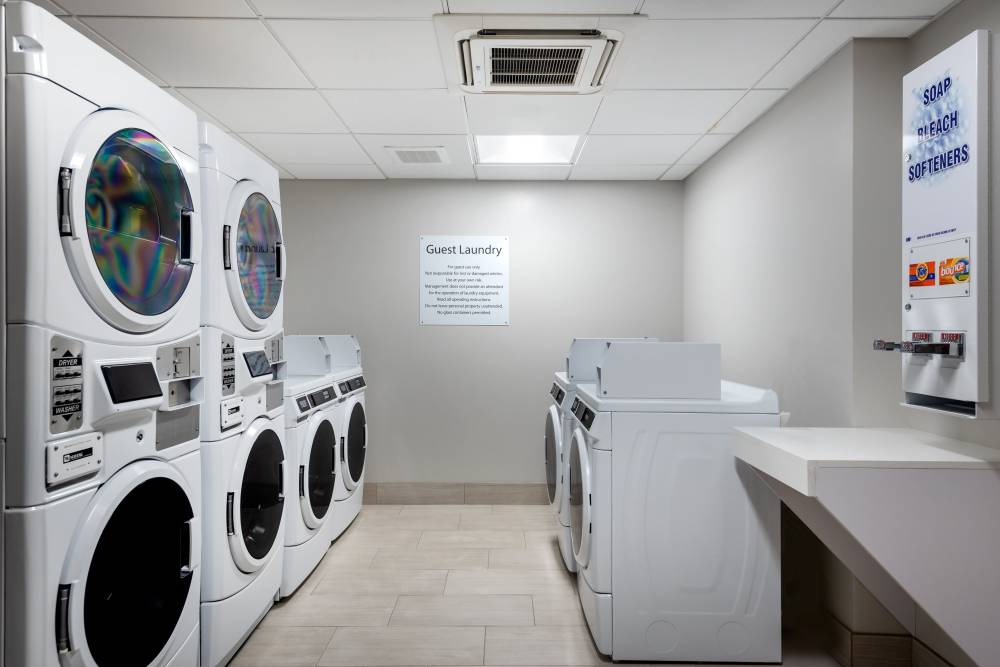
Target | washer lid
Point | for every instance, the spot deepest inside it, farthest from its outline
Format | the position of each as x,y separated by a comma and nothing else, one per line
253,254
127,576
126,219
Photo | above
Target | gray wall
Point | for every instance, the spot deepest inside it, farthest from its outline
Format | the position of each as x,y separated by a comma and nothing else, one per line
466,404
960,21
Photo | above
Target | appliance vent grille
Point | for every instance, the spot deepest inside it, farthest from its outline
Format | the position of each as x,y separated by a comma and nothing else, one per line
427,156
419,154
534,66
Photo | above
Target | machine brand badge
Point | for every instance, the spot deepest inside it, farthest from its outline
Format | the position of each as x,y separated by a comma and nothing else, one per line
922,274
954,270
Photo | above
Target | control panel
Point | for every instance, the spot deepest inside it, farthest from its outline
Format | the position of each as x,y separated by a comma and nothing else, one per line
228,361
324,395
274,348
353,384
302,402
65,385
179,360
557,394
583,413
73,458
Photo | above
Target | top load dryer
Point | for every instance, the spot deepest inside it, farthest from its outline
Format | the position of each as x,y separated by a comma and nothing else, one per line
244,249
103,196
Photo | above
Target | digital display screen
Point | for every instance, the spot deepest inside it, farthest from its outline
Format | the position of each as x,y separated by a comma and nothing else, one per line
257,363
131,382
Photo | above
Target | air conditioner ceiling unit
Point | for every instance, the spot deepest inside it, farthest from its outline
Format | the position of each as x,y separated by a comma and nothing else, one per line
536,60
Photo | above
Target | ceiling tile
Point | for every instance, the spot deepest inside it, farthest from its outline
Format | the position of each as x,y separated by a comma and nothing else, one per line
365,54
679,172
707,54
263,110
890,8
736,9
663,111
635,149
400,111
456,147
613,172
705,148
542,6
96,38
223,53
349,9
747,110
522,172
188,8
336,172
307,148
826,40
531,114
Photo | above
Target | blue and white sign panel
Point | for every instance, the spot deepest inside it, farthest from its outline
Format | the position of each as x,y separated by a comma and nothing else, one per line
945,220
465,280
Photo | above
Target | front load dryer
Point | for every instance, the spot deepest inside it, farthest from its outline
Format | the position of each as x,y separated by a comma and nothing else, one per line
677,544
102,468
312,428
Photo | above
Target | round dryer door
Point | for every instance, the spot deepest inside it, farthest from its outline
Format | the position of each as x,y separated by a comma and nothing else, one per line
553,455
127,578
317,472
255,506
253,255
127,221
579,497
352,454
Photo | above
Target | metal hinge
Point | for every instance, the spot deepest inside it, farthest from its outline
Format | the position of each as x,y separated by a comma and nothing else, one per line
281,481
62,618
65,202
302,481
227,262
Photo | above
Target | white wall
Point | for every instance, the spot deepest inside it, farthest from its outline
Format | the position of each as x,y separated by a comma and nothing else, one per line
466,404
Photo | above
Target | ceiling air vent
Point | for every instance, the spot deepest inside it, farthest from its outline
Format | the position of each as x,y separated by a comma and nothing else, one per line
541,61
411,155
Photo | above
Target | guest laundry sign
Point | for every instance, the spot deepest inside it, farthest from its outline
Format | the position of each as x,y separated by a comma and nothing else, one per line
465,280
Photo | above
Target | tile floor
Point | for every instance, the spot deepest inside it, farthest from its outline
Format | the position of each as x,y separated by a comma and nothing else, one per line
424,585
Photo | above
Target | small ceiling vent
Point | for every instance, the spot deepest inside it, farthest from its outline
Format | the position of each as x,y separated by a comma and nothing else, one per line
540,61
419,154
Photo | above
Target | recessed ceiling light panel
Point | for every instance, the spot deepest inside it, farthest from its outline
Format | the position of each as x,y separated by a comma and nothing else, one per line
526,148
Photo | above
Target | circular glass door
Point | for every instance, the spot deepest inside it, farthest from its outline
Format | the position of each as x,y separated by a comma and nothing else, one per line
140,575
357,443
318,475
261,498
137,207
255,285
552,453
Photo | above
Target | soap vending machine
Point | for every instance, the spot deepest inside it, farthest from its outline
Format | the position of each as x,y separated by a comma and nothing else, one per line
945,337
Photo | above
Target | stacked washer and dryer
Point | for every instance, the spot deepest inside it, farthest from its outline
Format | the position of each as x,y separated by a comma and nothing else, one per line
102,475
313,409
677,544
243,422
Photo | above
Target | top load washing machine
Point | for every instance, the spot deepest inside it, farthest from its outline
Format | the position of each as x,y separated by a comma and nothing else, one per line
312,431
677,544
244,249
581,366
102,474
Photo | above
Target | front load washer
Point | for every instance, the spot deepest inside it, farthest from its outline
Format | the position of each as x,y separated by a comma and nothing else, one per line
349,379
102,467
581,366
312,428
677,544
